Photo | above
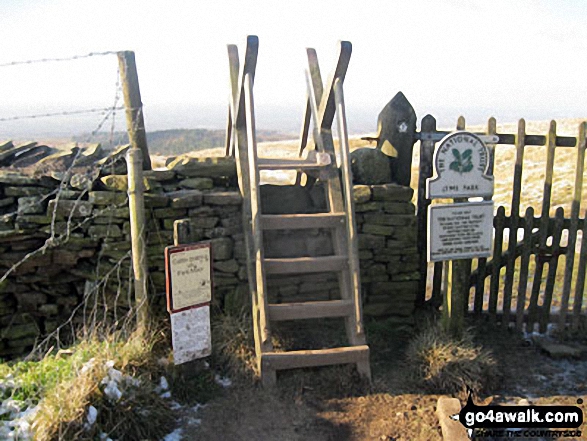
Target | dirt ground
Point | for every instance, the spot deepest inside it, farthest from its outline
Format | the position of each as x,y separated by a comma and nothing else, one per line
334,404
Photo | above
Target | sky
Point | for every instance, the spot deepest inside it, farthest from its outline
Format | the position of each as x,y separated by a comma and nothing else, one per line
502,58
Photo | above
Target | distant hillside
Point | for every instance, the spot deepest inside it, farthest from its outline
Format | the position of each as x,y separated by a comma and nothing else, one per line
177,141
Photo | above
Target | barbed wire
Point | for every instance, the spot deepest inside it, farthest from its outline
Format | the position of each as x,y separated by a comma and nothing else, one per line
48,60
94,306
64,113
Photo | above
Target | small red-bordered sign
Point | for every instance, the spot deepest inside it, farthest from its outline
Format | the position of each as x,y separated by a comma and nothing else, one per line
188,273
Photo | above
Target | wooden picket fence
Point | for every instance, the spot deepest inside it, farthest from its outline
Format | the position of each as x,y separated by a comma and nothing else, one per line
527,248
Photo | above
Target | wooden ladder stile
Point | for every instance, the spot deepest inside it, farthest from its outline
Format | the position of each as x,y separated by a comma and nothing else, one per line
338,220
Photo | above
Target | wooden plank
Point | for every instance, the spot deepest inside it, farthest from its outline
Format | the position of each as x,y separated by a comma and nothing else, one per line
497,248
437,276
311,100
327,105
544,225
351,225
574,227
510,139
310,310
229,136
314,358
426,154
482,262
255,199
481,273
580,282
302,221
552,267
234,67
244,180
515,218
318,88
524,268
295,265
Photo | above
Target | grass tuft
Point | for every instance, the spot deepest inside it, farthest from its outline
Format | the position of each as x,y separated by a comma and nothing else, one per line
442,364
63,385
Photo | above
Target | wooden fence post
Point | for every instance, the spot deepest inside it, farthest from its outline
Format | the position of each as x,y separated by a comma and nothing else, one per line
134,106
137,232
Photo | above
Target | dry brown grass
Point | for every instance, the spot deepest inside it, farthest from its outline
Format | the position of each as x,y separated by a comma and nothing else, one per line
445,365
140,414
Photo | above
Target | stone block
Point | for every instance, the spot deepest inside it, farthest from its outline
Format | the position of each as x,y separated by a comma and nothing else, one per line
222,248
451,430
16,332
107,198
226,266
169,213
185,198
203,167
49,309
398,207
65,208
103,231
6,202
367,206
223,198
392,192
156,200
379,230
361,194
25,191
197,183
31,205
371,242
159,175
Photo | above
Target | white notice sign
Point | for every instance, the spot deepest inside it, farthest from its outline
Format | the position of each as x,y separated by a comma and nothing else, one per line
189,276
460,231
190,334
461,163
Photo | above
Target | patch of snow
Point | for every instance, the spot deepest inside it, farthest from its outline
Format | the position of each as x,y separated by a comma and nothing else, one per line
18,427
176,435
163,384
222,381
194,421
105,437
111,390
91,417
197,407
174,405
165,395
88,365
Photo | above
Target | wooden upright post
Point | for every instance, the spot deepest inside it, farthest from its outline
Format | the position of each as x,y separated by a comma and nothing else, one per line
134,106
136,205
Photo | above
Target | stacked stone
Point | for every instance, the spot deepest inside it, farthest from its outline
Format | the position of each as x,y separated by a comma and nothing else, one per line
70,236
80,235
387,249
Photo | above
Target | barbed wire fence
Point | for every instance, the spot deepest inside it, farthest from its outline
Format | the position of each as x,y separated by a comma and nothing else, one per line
94,315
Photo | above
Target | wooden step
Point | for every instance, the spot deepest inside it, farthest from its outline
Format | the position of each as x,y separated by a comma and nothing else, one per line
310,310
321,161
294,265
302,221
314,357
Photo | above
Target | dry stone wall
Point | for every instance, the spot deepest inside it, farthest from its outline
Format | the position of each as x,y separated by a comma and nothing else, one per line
65,244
